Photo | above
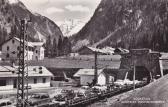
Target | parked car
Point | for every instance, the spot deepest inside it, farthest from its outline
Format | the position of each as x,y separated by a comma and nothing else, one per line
39,99
64,96
6,103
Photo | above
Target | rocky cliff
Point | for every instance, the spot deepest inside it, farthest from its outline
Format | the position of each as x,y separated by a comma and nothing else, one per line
127,24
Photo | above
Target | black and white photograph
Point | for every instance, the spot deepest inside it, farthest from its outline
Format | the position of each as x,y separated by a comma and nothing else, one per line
83,53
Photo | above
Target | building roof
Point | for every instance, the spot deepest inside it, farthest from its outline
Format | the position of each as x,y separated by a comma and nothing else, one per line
106,50
30,44
96,50
120,73
33,71
36,43
89,72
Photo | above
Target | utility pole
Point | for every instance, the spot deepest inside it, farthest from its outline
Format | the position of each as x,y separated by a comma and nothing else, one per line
22,80
134,77
95,73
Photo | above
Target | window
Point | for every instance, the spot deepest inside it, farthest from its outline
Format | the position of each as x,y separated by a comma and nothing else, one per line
13,41
7,55
35,81
13,52
26,47
2,82
18,55
44,80
9,103
7,48
18,48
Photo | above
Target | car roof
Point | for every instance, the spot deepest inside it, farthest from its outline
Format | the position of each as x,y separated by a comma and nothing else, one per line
5,100
40,94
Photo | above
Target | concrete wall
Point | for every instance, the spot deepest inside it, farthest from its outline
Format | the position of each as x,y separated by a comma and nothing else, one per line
84,79
143,58
101,80
39,83
9,84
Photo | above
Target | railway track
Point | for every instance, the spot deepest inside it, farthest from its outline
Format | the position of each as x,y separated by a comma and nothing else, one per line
83,101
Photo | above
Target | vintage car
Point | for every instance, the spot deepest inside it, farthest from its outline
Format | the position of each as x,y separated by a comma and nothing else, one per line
64,96
6,103
39,99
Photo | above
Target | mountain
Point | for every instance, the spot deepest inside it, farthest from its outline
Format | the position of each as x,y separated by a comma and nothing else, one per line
127,24
71,27
39,29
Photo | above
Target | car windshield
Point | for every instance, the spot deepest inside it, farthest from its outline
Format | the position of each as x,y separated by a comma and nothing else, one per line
9,103
44,96
2,104
35,96
80,94
64,91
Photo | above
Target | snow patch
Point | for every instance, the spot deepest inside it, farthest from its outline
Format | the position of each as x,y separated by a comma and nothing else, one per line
76,29
130,11
40,36
71,26
139,23
100,10
80,44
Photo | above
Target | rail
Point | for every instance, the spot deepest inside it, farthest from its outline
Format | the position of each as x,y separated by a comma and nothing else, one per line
111,91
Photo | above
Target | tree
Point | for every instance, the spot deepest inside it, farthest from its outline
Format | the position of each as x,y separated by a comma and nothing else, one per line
13,30
55,48
1,36
48,47
60,46
66,46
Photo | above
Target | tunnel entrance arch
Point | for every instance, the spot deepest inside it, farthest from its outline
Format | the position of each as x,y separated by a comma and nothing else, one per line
146,63
141,73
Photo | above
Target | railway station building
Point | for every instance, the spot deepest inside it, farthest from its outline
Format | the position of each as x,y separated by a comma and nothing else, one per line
105,76
38,77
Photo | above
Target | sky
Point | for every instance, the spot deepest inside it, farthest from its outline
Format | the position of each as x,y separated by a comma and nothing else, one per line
61,10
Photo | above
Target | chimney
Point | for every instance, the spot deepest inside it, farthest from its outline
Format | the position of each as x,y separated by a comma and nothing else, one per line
40,70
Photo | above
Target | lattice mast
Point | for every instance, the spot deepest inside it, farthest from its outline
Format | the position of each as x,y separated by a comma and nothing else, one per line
22,89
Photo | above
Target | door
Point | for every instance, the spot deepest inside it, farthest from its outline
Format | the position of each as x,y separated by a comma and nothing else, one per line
15,83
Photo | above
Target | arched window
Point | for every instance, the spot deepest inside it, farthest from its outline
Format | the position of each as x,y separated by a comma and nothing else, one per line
13,41
18,48
7,55
7,48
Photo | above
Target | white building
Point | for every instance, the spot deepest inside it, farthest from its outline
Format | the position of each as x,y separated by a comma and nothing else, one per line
39,77
38,53
105,76
10,50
